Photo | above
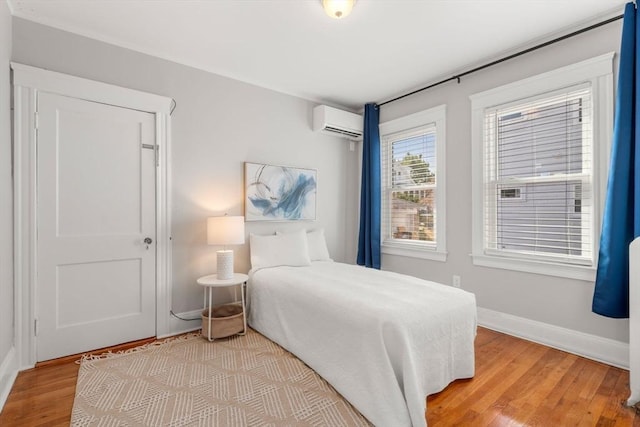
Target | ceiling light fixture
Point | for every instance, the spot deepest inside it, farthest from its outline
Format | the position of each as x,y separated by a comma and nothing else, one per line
338,9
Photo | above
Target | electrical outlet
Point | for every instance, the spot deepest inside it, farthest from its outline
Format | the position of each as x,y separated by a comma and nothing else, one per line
456,281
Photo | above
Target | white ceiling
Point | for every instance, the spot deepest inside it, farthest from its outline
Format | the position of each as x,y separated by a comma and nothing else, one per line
383,49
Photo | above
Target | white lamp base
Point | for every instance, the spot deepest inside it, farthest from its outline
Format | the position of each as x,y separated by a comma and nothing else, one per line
225,265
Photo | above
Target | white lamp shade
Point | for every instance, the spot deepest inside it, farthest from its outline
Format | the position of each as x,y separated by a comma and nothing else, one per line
225,230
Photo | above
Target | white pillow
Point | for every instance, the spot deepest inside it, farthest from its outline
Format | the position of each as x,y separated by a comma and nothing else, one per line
317,245
281,249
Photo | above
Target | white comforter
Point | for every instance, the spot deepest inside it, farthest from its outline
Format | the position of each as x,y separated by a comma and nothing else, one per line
383,340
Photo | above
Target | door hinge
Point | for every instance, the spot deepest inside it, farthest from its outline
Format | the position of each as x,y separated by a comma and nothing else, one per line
35,327
36,124
156,151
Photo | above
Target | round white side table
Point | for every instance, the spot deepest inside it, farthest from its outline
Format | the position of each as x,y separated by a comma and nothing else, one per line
210,282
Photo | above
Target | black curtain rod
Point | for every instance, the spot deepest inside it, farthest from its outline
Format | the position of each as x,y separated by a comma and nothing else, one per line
506,58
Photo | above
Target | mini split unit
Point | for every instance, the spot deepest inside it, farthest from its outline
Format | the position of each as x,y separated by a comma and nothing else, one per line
337,122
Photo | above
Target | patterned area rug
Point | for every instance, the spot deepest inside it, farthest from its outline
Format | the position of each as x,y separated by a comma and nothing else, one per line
188,381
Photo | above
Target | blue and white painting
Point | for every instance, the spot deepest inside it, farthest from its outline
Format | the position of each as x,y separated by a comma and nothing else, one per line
278,193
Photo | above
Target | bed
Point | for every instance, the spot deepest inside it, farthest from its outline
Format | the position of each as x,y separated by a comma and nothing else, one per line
383,340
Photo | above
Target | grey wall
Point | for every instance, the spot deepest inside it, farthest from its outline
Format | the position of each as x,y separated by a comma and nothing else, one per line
557,301
218,124
6,187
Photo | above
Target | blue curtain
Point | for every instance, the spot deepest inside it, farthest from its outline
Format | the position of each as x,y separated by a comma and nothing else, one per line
621,221
370,193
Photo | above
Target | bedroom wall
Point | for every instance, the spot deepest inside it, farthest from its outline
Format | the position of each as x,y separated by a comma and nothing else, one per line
556,301
219,123
6,197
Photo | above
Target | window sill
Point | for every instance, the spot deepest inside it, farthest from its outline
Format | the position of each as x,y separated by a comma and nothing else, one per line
415,252
577,272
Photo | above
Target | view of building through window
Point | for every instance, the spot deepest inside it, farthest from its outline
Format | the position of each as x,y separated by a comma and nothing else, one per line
413,187
542,174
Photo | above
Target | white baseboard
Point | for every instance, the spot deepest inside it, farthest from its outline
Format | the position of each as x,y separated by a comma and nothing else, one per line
177,326
8,374
611,352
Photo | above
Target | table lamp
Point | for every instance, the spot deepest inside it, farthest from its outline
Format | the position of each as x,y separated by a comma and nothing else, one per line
225,230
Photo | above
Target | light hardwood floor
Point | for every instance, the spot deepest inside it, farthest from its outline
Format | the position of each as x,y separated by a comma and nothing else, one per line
517,383
520,383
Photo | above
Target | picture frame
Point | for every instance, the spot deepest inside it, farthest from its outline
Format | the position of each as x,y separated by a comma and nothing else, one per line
279,193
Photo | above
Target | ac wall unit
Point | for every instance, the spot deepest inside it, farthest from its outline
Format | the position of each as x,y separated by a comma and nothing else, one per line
337,122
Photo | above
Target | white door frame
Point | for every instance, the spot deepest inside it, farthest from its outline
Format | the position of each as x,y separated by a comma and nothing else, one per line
27,83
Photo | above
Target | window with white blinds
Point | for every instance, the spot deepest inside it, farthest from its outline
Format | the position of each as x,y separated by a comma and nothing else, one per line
411,192
539,172
540,154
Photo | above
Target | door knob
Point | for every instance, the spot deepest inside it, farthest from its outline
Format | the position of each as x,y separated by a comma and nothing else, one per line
148,241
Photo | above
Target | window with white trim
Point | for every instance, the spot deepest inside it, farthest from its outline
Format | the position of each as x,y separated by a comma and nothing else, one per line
413,187
540,154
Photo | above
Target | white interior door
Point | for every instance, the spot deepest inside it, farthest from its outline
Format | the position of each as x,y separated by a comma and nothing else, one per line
95,284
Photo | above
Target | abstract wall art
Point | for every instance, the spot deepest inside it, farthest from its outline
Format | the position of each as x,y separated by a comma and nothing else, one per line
279,193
